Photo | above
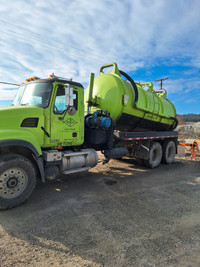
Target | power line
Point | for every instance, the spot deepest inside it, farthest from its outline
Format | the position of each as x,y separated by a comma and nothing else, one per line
10,83
22,37
33,37
58,42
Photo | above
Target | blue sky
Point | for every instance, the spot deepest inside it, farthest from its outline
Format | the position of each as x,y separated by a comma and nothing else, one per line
149,39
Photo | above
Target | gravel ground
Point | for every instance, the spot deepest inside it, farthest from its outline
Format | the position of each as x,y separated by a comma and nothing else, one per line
117,214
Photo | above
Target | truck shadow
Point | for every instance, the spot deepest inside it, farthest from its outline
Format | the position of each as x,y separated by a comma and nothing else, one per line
84,214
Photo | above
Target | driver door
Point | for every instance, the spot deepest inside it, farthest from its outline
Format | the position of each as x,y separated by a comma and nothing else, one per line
66,129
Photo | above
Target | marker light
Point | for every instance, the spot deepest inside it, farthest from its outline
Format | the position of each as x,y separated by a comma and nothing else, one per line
32,79
51,75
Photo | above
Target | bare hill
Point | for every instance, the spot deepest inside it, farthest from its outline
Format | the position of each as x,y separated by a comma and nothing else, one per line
189,130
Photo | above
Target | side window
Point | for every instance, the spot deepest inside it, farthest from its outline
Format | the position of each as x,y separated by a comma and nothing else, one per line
59,105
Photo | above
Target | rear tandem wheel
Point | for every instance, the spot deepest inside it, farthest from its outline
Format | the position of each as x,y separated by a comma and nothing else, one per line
169,152
155,156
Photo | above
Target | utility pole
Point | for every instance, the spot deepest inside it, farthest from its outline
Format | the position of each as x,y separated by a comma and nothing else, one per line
161,82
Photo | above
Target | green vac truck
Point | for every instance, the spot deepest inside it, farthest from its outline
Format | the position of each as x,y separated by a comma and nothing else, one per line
143,119
51,130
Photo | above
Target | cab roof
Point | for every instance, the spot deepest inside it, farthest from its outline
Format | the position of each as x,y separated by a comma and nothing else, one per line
55,79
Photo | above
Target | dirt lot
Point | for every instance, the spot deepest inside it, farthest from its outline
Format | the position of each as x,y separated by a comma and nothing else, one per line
115,215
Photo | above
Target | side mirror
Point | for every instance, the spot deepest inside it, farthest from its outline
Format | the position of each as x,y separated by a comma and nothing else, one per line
69,101
69,96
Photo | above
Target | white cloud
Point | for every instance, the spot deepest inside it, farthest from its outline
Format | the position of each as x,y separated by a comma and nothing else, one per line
7,94
191,100
182,86
73,38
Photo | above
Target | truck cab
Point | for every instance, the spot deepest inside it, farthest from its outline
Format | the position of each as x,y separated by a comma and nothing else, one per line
41,136
42,104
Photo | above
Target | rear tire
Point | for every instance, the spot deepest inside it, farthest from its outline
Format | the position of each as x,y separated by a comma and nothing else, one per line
169,152
17,180
155,156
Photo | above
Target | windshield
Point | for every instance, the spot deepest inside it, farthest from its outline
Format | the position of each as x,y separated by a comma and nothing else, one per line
34,94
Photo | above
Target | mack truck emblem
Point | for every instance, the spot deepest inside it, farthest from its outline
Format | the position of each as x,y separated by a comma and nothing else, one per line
70,122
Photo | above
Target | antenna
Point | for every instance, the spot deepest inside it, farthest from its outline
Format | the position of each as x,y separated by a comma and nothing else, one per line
161,82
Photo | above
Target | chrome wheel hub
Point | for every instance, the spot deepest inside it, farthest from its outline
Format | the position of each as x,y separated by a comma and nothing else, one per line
13,181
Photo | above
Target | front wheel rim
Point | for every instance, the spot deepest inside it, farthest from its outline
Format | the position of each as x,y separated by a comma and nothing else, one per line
13,182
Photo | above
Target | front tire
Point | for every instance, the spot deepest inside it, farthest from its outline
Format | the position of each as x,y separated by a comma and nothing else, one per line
17,180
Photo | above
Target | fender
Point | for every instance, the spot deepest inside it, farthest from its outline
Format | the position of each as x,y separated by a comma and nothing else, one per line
23,135
36,150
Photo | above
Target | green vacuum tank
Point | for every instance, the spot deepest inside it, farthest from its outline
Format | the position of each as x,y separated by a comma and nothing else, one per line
132,106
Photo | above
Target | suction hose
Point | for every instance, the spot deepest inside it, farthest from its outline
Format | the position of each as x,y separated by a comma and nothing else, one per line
132,82
175,123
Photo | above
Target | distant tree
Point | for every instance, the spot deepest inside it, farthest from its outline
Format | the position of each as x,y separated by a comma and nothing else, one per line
181,120
189,118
